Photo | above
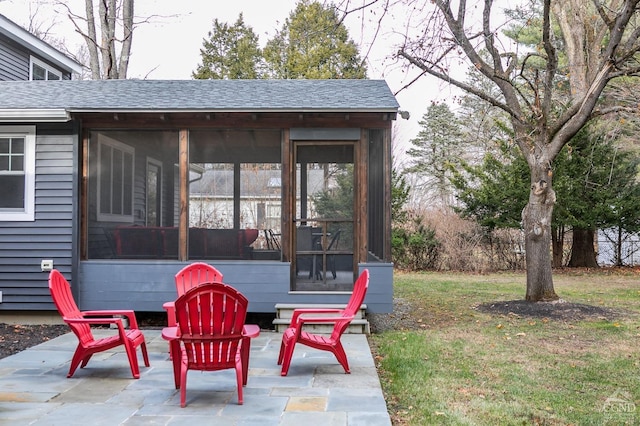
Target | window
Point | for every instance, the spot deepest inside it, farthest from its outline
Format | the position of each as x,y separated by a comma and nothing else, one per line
42,71
115,181
17,173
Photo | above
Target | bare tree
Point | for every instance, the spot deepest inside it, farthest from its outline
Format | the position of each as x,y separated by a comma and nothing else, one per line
601,42
115,23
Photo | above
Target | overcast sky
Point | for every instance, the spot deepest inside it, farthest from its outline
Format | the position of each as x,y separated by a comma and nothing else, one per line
169,46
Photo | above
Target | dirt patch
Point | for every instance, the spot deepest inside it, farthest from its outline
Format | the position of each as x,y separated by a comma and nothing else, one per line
556,310
15,338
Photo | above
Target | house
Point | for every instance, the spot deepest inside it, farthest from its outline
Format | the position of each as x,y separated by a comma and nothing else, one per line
24,56
113,183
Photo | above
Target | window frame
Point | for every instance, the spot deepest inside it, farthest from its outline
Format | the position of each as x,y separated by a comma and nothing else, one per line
27,214
47,68
124,148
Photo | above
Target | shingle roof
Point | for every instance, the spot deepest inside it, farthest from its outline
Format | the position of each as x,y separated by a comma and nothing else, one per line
195,95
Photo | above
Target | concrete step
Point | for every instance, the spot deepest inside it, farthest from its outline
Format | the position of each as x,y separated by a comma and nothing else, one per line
284,312
357,326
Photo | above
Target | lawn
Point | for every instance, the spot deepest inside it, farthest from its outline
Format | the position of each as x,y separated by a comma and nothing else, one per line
454,364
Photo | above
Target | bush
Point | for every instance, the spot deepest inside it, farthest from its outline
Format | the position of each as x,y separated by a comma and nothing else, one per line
414,246
442,240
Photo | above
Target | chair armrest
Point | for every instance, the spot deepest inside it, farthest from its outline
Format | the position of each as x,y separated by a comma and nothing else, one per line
131,316
170,308
298,312
304,320
170,333
96,321
250,330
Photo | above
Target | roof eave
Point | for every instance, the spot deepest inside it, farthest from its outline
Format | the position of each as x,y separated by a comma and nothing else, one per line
239,110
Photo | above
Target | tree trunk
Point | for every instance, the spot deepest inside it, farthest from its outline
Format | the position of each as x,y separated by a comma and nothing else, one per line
557,242
619,248
583,253
536,220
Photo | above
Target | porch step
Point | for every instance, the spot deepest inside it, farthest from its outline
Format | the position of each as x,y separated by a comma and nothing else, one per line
284,312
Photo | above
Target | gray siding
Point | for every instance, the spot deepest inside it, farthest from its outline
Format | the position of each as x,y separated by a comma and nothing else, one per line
24,244
14,61
145,285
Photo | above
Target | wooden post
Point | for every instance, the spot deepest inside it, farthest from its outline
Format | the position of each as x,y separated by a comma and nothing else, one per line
183,220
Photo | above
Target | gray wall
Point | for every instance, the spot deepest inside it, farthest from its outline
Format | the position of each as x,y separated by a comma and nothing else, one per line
24,244
146,285
14,62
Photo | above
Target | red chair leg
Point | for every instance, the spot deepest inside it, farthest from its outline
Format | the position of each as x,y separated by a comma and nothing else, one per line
145,354
239,379
183,382
133,359
244,354
289,346
341,356
78,357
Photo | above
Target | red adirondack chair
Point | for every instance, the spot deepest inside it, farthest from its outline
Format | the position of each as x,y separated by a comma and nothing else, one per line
342,318
80,323
211,320
187,278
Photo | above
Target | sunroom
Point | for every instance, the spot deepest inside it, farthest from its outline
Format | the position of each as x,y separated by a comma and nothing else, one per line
282,185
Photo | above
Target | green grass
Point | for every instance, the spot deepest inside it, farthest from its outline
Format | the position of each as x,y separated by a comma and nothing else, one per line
460,366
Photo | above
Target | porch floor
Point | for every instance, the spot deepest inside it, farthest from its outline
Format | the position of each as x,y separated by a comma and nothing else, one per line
34,388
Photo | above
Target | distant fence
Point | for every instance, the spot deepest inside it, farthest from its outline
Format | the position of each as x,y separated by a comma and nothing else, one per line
608,248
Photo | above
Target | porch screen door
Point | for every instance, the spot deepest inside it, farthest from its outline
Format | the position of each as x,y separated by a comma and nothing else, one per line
324,216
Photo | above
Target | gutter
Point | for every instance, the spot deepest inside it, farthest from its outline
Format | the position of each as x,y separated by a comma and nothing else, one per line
34,115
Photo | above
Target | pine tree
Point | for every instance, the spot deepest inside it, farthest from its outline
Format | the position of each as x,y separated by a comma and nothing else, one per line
230,52
313,44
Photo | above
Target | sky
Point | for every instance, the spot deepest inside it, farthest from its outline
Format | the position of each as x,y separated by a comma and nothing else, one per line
168,47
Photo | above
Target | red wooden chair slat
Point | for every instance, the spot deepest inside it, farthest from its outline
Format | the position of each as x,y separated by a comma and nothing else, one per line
80,323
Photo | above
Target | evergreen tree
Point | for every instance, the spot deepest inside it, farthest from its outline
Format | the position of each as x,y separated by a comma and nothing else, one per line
230,52
434,149
596,183
313,43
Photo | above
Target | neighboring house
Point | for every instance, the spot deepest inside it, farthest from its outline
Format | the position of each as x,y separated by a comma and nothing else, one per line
24,56
101,178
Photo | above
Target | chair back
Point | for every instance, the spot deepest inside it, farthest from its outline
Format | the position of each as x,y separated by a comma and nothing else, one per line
211,317
303,238
357,297
196,274
65,303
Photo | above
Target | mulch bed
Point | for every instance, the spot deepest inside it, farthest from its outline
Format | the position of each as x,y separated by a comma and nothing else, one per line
15,338
556,310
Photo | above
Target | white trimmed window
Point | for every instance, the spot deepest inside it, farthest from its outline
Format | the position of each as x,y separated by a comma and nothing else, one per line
17,173
115,181
42,71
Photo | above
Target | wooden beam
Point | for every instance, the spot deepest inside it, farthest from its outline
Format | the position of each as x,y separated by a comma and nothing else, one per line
84,197
387,195
288,173
361,197
183,220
